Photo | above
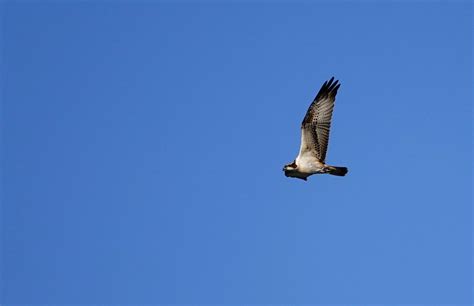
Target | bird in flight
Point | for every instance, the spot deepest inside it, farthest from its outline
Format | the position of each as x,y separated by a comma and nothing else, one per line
315,135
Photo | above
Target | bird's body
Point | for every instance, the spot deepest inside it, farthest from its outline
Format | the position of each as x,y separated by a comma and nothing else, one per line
315,135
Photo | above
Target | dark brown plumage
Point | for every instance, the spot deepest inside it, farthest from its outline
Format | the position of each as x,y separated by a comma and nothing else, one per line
318,117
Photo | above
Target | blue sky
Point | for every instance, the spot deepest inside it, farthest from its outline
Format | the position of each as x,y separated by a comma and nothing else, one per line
143,145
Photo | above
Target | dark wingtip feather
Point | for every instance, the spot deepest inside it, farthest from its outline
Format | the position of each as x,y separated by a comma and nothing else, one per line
328,88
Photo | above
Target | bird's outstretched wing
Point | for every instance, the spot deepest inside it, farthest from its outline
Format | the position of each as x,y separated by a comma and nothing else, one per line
317,122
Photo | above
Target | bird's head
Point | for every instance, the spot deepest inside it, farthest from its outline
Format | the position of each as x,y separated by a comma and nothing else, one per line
290,167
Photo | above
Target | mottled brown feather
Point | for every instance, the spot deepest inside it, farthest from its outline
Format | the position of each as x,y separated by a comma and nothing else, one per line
317,120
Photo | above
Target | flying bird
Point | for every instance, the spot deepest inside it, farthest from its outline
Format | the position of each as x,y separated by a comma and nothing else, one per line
315,135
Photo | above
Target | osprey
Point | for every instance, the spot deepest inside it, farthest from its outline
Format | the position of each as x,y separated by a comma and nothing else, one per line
315,135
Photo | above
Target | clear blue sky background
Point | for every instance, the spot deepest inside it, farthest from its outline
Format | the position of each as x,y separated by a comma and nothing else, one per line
143,147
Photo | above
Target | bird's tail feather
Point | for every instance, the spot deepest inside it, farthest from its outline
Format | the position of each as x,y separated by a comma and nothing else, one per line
339,171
